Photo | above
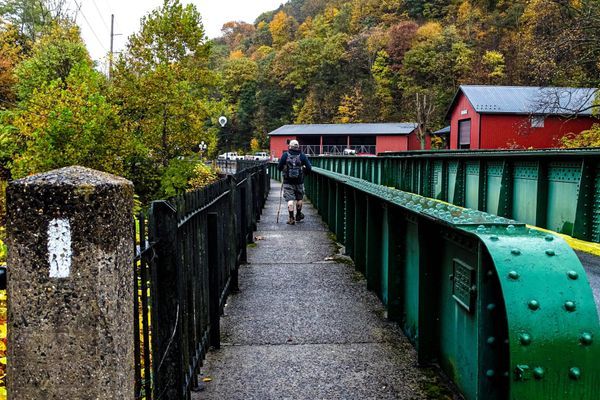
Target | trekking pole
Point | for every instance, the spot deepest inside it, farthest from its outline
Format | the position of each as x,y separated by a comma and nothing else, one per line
280,197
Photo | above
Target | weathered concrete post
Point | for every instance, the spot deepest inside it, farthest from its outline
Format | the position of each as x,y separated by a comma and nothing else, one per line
70,286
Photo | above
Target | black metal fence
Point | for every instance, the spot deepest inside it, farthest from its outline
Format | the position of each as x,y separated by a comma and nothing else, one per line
188,253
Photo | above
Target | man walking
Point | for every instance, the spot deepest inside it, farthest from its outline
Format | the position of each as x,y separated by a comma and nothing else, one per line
293,164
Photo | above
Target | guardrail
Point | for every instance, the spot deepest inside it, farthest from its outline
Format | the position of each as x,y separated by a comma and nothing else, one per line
505,310
187,264
554,189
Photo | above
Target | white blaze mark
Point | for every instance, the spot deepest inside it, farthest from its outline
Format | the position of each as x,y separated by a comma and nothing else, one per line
59,248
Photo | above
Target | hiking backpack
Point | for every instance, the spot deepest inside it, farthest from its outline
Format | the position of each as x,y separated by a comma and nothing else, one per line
293,166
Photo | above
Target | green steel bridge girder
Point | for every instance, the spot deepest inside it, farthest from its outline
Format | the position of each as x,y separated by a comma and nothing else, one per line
528,313
554,189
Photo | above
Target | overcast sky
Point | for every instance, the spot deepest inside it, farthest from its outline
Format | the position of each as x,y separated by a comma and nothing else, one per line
94,18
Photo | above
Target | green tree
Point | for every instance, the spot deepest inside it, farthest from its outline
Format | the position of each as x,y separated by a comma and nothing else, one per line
31,17
52,58
67,123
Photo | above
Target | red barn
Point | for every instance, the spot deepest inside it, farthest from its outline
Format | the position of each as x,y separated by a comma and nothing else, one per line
496,117
336,139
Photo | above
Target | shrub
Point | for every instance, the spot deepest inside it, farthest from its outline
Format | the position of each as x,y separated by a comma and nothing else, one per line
204,175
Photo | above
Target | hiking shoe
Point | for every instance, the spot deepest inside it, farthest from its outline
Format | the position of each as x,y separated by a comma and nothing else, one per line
299,216
291,221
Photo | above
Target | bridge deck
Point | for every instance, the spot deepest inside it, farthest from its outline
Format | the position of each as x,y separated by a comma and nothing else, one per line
305,327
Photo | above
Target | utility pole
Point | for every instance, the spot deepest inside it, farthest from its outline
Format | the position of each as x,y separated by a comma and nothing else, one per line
112,45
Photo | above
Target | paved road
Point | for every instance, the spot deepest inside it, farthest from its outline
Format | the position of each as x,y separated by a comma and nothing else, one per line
592,266
305,327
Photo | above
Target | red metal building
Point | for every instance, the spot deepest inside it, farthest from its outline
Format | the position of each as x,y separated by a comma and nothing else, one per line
336,139
496,117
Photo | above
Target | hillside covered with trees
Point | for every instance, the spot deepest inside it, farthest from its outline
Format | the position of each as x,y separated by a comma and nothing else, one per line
322,61
310,61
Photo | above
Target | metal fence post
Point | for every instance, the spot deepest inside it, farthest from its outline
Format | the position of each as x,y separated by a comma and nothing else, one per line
167,312
212,220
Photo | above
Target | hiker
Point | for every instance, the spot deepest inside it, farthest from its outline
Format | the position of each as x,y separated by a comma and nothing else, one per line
292,164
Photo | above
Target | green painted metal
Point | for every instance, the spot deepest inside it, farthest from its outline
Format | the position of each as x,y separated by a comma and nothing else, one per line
555,189
505,310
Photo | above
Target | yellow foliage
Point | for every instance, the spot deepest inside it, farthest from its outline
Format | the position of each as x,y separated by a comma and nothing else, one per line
261,53
586,139
429,31
254,145
204,175
283,29
236,55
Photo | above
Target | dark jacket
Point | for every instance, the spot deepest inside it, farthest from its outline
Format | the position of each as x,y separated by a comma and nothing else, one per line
305,163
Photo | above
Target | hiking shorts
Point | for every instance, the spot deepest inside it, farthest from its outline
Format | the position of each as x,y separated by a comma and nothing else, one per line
293,192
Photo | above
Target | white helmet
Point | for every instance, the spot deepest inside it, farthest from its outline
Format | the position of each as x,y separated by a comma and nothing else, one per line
294,145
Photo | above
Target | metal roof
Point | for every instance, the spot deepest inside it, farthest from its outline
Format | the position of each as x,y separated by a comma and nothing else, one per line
528,100
443,131
345,129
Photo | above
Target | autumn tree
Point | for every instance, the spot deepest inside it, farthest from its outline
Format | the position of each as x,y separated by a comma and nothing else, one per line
62,117
237,34
12,54
400,41
162,85
283,29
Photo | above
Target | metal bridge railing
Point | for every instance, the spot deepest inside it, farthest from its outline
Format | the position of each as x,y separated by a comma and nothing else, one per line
506,311
553,189
189,250
340,150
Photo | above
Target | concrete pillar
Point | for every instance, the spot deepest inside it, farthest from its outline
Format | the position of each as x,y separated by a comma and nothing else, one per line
70,286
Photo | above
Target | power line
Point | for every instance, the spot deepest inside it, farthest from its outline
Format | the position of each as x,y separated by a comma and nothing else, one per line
100,15
93,31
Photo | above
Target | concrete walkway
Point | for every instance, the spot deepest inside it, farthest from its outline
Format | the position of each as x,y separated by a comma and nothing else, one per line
305,327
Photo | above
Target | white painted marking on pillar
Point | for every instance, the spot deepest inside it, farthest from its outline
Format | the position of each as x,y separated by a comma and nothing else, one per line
59,248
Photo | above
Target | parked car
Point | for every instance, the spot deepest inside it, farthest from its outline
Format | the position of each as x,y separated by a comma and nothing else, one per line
261,156
349,152
232,156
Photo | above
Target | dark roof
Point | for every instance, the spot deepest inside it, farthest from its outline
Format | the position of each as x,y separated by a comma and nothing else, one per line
443,131
345,129
528,100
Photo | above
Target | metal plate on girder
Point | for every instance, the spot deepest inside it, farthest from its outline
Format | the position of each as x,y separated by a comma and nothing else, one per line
464,284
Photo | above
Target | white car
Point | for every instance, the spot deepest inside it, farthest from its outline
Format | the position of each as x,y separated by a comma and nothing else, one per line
349,152
261,156
232,156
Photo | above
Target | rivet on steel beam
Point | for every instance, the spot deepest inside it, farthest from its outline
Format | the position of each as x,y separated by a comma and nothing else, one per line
575,373
490,373
491,340
514,275
491,307
586,339
573,275
494,238
525,339
538,373
550,252
534,305
549,238
515,252
570,306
